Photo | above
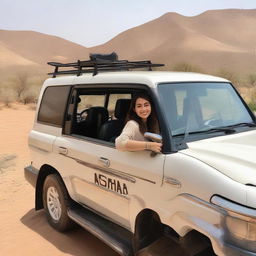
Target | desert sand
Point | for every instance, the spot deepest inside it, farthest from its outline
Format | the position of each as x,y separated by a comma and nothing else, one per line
23,230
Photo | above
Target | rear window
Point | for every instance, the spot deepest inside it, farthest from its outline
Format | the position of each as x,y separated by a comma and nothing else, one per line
53,105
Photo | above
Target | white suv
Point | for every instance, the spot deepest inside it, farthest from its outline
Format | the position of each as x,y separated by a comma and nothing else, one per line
201,189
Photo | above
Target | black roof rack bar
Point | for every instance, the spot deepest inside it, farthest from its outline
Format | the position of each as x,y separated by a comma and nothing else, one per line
149,67
90,63
84,63
128,65
104,69
55,71
79,68
99,64
95,71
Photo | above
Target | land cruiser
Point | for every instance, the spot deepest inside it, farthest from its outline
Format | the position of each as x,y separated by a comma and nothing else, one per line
198,194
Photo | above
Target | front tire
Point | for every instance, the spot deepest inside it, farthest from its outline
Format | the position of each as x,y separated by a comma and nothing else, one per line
56,201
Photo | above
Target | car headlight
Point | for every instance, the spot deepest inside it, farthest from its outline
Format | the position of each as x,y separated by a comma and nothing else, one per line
238,224
241,229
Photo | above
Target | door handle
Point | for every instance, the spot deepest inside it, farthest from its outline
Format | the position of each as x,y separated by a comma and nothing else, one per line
104,161
63,151
173,182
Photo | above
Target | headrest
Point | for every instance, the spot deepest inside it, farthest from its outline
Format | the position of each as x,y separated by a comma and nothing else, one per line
97,115
122,108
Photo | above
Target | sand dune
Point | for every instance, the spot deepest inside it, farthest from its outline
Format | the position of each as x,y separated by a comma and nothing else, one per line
212,40
41,48
23,230
7,55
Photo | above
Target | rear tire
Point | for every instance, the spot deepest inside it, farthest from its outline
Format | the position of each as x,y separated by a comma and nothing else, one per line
56,201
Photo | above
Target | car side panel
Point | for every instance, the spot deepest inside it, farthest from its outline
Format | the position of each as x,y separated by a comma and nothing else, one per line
108,189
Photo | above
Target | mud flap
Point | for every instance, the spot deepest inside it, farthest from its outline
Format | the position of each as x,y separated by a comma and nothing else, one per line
163,246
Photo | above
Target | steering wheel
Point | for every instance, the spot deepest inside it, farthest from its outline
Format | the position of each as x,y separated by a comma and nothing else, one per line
82,115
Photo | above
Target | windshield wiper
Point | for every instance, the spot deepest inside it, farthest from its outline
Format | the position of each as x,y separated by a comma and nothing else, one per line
218,129
243,124
212,130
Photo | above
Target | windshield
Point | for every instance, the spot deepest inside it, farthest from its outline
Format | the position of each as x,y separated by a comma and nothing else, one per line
196,107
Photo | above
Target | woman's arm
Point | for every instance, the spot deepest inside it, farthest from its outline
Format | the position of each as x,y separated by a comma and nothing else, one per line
134,145
128,140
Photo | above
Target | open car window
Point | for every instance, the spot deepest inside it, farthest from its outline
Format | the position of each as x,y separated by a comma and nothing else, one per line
97,114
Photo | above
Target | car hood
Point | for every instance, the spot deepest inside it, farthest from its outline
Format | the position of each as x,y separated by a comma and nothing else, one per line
233,155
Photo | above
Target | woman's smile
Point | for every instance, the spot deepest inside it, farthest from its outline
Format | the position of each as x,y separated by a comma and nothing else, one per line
142,108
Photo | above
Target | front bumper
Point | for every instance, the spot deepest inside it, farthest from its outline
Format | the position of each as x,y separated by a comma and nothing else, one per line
31,175
231,250
212,221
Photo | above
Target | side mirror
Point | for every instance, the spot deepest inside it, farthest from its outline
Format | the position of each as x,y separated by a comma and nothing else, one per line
153,137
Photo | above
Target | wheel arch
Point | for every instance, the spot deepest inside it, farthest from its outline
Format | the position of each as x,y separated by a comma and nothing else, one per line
148,222
148,227
44,171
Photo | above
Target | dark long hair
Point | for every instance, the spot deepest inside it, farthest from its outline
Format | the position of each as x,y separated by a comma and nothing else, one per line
152,124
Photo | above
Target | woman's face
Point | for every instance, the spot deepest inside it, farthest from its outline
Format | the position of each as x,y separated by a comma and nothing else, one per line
142,108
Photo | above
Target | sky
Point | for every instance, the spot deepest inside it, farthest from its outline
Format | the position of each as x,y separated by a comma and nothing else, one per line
94,22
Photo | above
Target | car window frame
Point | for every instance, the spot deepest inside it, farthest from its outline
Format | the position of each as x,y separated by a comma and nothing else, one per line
125,88
173,147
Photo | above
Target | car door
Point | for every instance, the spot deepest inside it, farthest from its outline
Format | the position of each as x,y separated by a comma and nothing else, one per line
107,180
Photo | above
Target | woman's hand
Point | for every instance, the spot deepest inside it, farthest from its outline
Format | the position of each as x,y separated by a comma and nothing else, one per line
154,146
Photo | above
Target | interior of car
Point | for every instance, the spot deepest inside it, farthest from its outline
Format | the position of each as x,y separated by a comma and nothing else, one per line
100,115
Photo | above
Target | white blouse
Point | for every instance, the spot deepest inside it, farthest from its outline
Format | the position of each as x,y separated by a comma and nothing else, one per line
131,131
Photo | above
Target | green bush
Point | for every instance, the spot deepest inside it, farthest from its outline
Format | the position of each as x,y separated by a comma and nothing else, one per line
252,106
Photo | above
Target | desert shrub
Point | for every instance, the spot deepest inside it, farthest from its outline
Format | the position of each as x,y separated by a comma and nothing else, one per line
20,88
6,96
28,98
30,95
229,75
24,89
251,92
252,98
252,79
20,85
186,67
252,106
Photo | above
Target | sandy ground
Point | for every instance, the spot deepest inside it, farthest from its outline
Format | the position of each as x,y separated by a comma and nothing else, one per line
23,230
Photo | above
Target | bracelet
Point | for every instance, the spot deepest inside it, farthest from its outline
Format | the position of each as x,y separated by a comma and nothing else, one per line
147,146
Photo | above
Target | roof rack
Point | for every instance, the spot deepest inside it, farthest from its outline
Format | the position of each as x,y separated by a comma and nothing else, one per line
99,63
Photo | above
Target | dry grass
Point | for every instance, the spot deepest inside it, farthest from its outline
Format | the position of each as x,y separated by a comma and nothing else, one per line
25,89
20,88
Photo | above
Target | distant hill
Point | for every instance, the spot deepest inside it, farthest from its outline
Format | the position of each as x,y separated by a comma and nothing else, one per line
212,40
32,50
40,48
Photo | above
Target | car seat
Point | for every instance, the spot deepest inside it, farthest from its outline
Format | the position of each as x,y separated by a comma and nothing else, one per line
112,128
96,116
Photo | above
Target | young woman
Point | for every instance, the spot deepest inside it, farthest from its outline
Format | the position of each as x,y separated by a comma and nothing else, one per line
141,118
